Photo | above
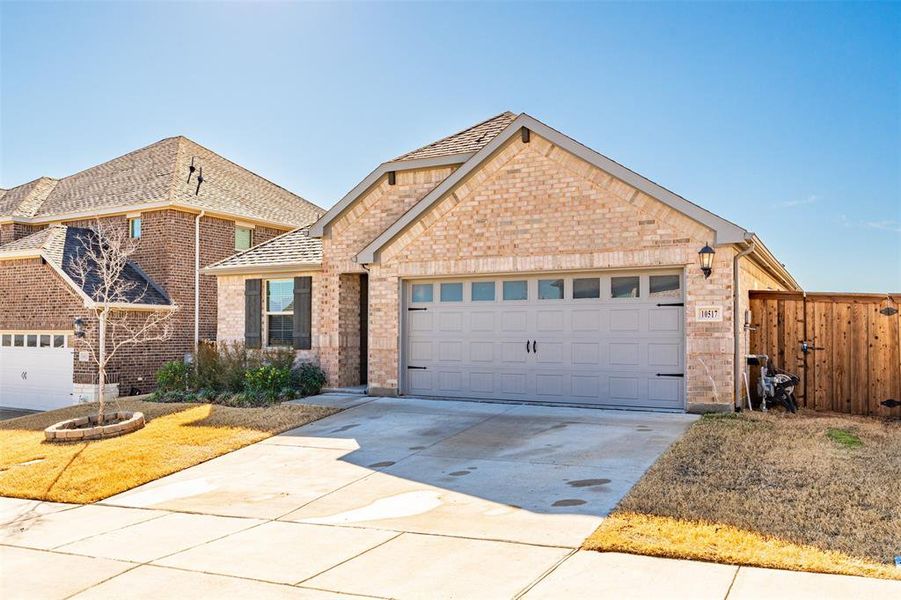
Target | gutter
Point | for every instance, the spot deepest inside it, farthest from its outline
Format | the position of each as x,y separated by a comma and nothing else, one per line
738,336
197,280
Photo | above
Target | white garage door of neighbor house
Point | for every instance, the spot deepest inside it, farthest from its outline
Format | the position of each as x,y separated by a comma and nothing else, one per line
605,339
35,371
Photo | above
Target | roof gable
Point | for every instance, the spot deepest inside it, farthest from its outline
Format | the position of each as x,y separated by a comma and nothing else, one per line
61,247
158,176
725,231
454,149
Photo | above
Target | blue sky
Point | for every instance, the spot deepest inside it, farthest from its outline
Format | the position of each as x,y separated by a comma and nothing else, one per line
785,118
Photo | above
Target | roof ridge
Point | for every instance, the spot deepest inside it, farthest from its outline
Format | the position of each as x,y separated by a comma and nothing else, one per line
505,113
243,168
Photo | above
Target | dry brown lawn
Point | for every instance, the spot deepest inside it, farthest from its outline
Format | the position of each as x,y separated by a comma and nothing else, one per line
813,492
177,436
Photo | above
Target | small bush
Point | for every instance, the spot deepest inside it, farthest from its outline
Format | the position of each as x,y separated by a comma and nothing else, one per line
308,379
173,376
266,382
280,358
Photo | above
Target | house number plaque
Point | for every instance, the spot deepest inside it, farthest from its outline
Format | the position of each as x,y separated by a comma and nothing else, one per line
709,313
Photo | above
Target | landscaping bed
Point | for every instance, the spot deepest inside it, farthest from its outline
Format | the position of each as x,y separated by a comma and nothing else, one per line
812,492
176,436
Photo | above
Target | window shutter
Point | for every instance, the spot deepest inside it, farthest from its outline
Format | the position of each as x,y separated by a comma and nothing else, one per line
303,313
253,318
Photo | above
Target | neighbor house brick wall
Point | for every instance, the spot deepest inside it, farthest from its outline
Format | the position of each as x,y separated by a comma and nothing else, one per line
371,214
165,252
15,231
231,309
534,207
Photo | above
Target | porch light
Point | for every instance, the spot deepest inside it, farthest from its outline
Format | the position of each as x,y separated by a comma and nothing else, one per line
79,327
705,257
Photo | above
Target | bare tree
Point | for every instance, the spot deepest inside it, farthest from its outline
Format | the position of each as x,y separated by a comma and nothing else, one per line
119,300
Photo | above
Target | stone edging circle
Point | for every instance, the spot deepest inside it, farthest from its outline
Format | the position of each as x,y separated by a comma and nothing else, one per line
73,430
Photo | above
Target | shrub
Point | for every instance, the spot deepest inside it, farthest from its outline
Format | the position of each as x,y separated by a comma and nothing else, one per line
280,358
266,382
173,376
308,379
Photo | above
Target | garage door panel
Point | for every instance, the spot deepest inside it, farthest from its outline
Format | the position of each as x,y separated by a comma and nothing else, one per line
420,351
586,353
549,352
481,352
482,321
481,383
514,352
665,355
625,319
514,321
419,321
450,351
665,320
549,321
623,388
513,383
624,354
602,351
450,321
549,384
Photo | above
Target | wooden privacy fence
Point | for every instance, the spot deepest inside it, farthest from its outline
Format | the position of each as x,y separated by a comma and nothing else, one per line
852,362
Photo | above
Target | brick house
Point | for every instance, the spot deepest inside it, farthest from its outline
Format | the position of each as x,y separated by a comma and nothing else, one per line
171,195
508,261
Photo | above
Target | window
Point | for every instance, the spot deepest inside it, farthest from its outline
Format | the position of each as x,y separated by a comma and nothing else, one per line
550,289
243,237
422,292
44,341
134,228
624,287
516,290
18,340
31,341
452,292
280,312
483,291
664,286
587,288
7,339
59,341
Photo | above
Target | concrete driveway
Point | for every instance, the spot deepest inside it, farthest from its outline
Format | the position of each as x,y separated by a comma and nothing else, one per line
390,498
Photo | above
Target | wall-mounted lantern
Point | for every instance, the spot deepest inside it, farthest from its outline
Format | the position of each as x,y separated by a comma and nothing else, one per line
705,257
79,327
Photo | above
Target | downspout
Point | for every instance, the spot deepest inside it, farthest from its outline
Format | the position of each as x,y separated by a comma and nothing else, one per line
739,328
197,281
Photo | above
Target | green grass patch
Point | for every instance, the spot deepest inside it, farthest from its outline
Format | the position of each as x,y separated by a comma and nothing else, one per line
843,437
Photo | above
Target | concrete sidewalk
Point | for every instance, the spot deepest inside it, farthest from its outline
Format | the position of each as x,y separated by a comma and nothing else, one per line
388,499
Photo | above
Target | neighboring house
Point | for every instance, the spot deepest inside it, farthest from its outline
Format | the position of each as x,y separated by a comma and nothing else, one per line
508,261
169,195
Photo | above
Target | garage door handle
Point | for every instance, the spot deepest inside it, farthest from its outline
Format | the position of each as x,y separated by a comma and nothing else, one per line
670,374
534,346
527,346
417,368
670,304
417,308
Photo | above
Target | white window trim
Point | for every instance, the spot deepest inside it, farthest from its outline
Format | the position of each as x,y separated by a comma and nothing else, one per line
267,313
250,230
131,221
38,333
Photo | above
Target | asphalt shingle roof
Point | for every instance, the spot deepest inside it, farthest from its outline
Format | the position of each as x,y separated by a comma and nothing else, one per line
294,247
62,246
159,173
471,139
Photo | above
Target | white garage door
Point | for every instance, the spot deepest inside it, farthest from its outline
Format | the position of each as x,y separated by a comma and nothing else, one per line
35,371
601,339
